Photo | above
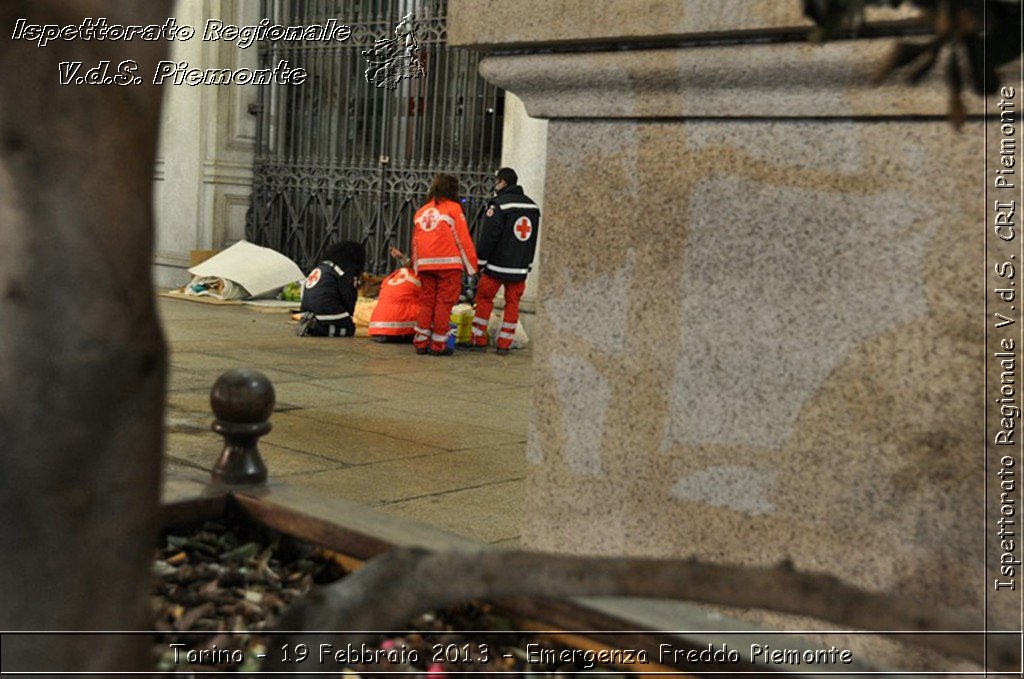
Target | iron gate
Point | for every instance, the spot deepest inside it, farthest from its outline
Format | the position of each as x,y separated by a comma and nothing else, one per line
340,159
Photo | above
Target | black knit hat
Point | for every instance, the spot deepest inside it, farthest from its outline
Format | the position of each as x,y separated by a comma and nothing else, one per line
347,254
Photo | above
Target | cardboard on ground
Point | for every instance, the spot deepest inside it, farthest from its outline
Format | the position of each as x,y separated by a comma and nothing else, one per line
261,271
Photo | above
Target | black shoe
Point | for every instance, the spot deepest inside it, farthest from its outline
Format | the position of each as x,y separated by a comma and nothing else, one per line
478,347
422,351
307,321
447,351
501,352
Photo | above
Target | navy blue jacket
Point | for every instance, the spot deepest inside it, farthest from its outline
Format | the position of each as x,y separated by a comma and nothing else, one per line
330,294
509,238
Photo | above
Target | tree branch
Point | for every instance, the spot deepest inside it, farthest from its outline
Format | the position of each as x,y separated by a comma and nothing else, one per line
394,588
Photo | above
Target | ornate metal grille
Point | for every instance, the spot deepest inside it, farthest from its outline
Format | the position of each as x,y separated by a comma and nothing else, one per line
338,158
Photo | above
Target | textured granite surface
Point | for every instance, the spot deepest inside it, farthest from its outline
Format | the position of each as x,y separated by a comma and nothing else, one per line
751,350
498,22
761,324
786,80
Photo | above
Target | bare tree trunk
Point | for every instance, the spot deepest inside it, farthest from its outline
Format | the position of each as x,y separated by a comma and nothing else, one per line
392,589
82,363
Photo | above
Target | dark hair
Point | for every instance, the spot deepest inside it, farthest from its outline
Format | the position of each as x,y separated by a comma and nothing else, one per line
507,175
444,186
348,254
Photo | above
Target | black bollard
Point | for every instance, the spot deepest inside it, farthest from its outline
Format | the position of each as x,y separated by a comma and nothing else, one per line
242,400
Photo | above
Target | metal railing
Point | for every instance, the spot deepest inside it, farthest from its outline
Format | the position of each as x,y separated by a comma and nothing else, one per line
338,158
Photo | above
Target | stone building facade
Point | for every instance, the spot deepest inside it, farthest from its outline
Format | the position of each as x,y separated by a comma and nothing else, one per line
204,170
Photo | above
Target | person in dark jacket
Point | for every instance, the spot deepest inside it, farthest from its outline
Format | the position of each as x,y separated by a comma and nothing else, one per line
505,256
330,291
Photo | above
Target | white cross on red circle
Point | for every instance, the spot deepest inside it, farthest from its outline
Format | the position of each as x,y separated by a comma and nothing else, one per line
523,228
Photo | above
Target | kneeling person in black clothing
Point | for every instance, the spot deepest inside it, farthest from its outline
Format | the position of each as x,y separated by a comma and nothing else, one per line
330,291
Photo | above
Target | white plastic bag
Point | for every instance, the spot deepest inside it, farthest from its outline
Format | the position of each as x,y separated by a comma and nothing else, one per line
494,327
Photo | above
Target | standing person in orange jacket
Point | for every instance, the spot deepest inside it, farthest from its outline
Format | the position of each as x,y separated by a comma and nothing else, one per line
441,250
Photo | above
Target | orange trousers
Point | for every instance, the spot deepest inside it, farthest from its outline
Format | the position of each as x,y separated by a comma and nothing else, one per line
438,294
486,289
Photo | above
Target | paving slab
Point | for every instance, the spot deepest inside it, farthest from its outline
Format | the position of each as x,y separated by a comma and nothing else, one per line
507,370
421,386
438,439
306,393
337,439
479,415
181,482
490,513
432,426
511,399
183,378
422,476
450,378
200,451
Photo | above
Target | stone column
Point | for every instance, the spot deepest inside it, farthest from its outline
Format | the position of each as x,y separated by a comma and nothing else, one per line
524,148
760,332
203,174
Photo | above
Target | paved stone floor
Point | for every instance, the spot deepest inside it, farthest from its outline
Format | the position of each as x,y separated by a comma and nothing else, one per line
439,440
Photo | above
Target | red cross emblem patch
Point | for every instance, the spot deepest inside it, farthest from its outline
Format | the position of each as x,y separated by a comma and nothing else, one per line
402,276
523,228
428,220
314,278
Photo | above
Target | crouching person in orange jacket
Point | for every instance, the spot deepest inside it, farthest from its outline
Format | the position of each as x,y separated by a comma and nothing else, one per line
398,304
441,250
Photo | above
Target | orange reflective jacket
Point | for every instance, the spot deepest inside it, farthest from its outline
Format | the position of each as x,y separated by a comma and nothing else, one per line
397,305
440,239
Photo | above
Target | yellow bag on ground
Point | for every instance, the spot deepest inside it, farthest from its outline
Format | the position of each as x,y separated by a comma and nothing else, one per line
462,317
363,312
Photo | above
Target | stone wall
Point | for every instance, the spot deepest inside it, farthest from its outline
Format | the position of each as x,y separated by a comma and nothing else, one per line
524,148
207,136
760,329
